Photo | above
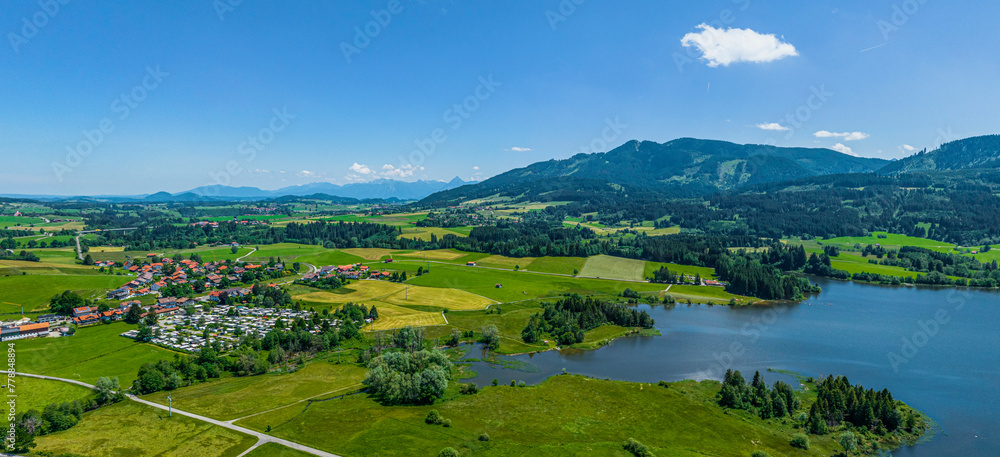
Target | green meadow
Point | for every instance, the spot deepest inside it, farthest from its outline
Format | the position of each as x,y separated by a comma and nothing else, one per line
132,429
559,417
232,398
34,291
93,352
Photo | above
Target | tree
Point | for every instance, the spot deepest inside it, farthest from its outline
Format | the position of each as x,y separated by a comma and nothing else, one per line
637,449
88,260
296,266
145,334
448,452
491,337
848,441
107,390
455,338
134,314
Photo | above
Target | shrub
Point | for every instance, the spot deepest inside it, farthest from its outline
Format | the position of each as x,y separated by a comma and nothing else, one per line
800,441
848,441
469,389
484,437
448,452
433,417
496,382
446,422
637,449
760,454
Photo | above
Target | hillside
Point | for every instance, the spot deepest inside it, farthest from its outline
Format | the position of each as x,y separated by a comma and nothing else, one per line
975,152
680,168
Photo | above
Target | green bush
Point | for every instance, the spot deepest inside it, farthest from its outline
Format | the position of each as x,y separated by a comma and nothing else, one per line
848,441
484,437
800,441
760,454
448,452
637,449
433,417
446,422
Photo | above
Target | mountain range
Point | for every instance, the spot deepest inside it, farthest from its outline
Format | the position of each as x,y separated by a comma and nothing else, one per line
685,167
377,189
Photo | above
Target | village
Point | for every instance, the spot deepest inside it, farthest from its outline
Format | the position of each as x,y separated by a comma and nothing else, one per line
193,302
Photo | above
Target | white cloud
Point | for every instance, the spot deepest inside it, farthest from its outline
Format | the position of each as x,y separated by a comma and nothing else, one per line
361,169
772,126
839,147
517,149
475,168
907,148
724,47
847,136
361,172
308,174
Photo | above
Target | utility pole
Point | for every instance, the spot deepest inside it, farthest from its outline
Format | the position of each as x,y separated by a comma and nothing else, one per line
170,405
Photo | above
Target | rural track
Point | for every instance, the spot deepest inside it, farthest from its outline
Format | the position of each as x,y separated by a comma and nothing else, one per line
246,255
262,438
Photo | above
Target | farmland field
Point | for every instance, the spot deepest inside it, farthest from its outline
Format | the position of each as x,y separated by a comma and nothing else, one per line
394,317
499,261
132,429
603,266
276,450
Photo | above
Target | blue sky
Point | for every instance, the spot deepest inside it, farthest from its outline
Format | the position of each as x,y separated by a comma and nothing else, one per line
263,93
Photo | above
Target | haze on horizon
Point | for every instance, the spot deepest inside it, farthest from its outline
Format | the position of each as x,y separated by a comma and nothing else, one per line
119,98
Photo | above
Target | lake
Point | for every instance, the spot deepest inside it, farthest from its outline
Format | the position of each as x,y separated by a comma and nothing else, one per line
938,350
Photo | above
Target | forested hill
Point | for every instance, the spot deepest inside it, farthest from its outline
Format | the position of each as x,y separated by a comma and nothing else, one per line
976,152
681,168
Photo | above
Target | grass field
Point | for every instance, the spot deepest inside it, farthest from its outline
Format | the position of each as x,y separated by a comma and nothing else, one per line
330,258
442,255
559,417
510,322
520,285
18,267
132,429
373,253
35,290
499,261
424,233
398,305
604,266
394,317
65,256
33,393
891,241
559,265
705,295
288,252
91,353
232,398
705,272
276,450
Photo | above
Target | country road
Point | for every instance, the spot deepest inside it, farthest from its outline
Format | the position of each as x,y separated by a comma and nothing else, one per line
262,438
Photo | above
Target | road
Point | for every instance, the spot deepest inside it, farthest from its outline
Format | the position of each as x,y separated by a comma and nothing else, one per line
79,252
262,438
